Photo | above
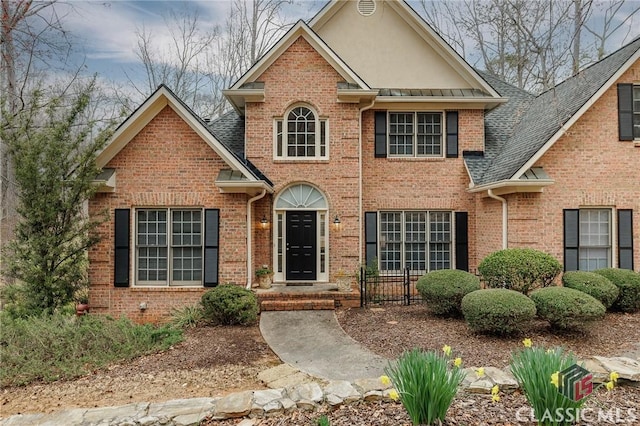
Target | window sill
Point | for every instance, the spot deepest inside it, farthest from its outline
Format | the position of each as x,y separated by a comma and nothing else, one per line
636,144
416,159
300,160
165,288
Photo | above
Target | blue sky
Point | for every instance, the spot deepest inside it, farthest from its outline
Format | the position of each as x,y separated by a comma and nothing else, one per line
106,30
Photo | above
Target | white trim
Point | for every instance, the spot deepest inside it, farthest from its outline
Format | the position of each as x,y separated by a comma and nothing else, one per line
300,29
419,25
575,117
518,185
146,112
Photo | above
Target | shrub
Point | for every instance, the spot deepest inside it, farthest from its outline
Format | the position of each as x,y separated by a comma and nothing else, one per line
594,285
536,371
497,311
628,282
521,270
426,384
230,304
187,316
443,290
53,347
567,308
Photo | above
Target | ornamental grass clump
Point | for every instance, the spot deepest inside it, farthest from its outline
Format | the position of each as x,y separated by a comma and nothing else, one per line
426,383
537,372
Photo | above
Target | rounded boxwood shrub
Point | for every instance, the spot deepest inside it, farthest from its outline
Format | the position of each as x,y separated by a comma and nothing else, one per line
497,311
443,290
594,285
567,308
628,282
522,270
230,304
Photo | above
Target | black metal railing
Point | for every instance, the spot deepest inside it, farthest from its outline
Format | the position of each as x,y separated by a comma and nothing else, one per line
382,287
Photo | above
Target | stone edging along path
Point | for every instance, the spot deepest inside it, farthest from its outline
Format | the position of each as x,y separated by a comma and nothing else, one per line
298,391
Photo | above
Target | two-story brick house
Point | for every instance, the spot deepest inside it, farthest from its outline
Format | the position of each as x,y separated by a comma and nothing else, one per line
363,135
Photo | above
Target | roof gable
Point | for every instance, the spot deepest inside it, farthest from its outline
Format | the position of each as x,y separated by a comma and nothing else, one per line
155,103
300,29
550,115
394,48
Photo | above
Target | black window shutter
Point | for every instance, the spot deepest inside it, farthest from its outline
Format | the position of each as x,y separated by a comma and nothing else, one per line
121,239
211,246
381,134
452,134
625,111
462,241
371,236
625,239
571,239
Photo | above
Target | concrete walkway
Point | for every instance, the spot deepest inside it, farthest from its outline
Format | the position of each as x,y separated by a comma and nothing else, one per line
314,342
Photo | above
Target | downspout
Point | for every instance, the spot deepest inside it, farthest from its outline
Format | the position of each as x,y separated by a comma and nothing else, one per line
505,216
249,235
360,183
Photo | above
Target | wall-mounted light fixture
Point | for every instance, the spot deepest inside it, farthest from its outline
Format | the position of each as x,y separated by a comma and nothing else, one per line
264,222
336,222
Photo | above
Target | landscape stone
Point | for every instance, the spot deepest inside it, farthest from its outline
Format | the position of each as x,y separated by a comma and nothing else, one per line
147,421
499,377
272,408
276,373
179,407
600,374
235,405
343,389
96,415
371,384
263,397
305,404
373,395
287,404
627,368
70,417
189,419
334,400
483,385
23,420
305,392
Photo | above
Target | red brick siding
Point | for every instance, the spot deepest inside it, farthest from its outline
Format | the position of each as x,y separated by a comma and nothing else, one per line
166,165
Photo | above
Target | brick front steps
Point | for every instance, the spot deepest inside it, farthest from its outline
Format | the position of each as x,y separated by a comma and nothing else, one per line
281,297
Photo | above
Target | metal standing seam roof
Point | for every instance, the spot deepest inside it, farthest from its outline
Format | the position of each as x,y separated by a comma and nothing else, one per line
444,93
509,147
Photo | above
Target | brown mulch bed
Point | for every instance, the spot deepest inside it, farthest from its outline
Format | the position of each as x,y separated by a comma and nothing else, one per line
214,361
390,330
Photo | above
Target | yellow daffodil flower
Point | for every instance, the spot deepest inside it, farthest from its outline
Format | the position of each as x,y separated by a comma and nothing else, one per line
495,390
527,343
480,372
457,362
613,376
554,378
549,351
393,394
609,385
447,350
385,380
495,398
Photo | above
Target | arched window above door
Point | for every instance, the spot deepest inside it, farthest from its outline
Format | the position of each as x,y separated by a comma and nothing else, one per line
301,196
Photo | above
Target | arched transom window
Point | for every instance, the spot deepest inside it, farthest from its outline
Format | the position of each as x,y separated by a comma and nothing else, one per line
301,196
301,134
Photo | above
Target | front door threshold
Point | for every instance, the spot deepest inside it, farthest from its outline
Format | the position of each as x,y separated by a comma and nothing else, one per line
299,284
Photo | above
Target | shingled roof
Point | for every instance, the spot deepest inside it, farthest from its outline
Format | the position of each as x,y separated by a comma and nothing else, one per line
517,130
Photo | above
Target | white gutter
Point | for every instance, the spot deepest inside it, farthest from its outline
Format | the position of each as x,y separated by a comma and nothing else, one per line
363,109
249,234
505,216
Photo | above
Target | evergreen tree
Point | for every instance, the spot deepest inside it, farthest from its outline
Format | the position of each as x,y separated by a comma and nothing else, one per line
54,153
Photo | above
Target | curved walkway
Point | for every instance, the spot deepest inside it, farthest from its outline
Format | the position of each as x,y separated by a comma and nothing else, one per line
314,342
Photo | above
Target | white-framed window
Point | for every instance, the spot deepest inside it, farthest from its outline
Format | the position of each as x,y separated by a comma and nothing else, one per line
636,111
415,134
301,134
168,247
419,240
595,239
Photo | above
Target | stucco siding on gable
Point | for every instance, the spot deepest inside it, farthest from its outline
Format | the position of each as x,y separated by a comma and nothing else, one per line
386,52
166,165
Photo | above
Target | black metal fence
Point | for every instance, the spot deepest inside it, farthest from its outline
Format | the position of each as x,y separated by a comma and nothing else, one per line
380,287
